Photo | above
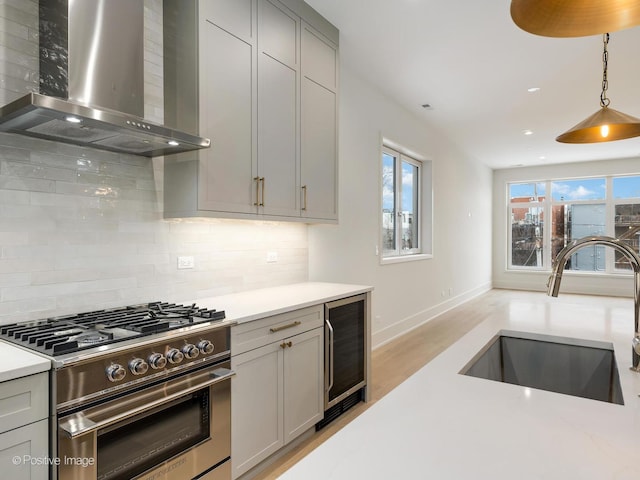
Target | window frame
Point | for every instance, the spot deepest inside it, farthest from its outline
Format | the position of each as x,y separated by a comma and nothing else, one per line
548,203
424,215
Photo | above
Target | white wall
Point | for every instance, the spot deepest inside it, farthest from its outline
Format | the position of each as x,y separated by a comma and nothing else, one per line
406,294
618,284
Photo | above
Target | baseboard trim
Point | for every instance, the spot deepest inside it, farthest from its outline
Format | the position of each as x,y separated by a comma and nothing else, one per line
390,333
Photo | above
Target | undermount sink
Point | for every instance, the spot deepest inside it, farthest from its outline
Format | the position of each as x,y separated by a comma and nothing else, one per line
582,368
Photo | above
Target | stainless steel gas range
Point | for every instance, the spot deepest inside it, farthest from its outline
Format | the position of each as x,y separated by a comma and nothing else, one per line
136,392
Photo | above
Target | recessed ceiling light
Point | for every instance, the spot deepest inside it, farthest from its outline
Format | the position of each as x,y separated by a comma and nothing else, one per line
542,157
528,132
533,89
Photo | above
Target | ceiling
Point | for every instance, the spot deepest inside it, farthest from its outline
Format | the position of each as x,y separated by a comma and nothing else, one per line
473,65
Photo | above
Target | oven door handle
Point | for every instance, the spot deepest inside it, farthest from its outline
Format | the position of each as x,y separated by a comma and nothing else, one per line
79,424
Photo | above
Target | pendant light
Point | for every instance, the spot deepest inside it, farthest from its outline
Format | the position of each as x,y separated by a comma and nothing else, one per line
607,124
574,18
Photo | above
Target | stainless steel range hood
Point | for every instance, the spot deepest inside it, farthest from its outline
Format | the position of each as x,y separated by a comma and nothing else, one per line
92,82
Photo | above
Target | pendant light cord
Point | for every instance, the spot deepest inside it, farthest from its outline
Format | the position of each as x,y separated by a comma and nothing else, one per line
604,100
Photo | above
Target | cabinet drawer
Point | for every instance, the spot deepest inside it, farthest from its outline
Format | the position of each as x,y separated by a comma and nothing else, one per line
23,401
255,334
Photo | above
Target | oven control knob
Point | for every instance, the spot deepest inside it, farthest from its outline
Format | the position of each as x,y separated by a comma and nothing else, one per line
190,350
206,347
174,355
157,360
138,366
116,372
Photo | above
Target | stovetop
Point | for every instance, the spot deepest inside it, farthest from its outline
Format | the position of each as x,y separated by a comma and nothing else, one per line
73,333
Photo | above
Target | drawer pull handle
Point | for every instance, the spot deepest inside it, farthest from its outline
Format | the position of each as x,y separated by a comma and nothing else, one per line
284,327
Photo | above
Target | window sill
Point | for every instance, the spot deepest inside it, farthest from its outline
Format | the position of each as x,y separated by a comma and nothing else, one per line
405,258
573,273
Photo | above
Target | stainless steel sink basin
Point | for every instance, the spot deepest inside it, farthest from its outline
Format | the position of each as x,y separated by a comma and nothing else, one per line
582,368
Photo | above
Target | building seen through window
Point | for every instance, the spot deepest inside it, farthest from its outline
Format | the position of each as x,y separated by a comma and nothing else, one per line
401,193
547,216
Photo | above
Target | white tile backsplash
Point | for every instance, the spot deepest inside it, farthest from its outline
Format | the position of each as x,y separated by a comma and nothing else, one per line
82,229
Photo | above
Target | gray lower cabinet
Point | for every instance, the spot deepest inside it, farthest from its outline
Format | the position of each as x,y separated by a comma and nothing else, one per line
24,428
277,392
267,97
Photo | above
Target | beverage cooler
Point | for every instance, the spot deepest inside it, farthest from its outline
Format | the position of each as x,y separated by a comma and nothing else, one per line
345,355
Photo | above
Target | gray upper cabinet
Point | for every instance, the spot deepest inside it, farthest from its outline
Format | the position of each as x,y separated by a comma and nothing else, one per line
278,73
319,112
267,97
226,88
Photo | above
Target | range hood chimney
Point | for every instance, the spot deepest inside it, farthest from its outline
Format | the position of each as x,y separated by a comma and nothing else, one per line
92,82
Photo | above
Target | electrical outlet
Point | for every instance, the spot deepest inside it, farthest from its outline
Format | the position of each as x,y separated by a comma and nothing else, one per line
186,262
272,257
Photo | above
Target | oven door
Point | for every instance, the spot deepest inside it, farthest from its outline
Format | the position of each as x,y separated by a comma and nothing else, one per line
174,430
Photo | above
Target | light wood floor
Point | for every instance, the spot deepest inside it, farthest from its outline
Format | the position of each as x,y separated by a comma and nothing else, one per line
394,362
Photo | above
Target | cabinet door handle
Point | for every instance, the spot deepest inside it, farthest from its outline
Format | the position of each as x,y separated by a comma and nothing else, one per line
284,327
289,344
262,200
283,345
304,197
257,180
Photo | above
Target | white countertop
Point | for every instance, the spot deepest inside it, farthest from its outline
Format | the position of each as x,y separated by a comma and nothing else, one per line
239,307
254,304
17,362
441,425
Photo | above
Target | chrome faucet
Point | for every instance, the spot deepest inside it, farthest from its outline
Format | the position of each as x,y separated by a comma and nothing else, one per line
553,285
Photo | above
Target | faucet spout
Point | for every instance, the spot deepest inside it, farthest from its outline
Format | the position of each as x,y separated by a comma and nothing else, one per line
553,284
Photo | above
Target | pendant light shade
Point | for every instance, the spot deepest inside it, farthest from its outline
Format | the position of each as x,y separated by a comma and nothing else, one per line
574,18
606,125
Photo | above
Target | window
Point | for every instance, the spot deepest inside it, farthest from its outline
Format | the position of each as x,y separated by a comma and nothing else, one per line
527,224
402,216
575,208
626,201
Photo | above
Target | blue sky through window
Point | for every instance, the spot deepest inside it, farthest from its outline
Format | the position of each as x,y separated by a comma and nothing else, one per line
626,187
388,182
582,189
409,178
523,190
409,173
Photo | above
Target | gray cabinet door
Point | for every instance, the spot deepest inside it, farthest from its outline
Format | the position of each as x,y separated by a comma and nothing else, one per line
303,383
24,443
319,126
257,407
278,61
227,89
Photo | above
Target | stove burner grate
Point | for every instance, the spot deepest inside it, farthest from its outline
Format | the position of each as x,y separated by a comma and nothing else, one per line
86,330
